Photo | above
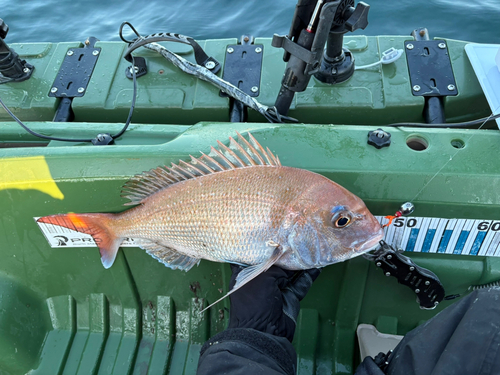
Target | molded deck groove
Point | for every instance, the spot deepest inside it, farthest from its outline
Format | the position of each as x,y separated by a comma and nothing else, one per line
306,341
199,333
191,333
347,316
120,351
158,333
57,344
96,352
165,335
88,345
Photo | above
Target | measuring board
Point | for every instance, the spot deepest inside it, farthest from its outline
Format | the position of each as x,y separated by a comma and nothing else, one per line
446,236
58,237
415,234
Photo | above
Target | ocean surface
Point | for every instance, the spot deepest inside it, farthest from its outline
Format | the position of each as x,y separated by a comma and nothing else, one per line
64,20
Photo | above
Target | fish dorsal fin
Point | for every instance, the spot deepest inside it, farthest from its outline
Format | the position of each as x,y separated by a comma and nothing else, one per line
239,154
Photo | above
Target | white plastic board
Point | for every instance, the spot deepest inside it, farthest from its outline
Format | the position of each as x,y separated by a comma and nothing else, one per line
483,59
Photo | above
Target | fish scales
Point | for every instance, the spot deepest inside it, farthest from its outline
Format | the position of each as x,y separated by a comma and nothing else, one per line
228,216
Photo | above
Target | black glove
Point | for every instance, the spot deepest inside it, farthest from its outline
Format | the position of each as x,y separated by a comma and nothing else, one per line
270,303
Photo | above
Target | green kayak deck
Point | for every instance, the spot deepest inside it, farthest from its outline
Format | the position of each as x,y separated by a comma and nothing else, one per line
61,312
375,96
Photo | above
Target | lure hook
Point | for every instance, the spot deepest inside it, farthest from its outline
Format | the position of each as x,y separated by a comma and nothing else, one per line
405,209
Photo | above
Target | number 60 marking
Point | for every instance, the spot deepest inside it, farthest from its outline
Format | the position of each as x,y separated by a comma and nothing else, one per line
484,225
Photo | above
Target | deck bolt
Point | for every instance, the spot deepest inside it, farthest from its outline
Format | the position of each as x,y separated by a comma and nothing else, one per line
389,256
95,52
230,50
135,68
209,65
258,50
416,88
70,53
254,89
378,264
451,87
26,70
442,45
417,290
387,274
81,89
412,268
436,303
427,282
409,46
380,133
53,89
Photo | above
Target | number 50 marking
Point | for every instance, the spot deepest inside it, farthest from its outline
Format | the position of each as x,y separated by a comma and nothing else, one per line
399,222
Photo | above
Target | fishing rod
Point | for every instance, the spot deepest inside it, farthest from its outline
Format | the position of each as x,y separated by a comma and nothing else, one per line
317,24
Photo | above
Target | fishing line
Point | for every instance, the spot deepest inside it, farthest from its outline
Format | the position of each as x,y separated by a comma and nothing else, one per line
453,156
465,124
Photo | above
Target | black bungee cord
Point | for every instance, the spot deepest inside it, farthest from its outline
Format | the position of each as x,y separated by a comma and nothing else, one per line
117,135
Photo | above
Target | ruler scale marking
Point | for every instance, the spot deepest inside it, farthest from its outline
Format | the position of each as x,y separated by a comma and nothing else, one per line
473,237
457,230
438,235
487,240
422,233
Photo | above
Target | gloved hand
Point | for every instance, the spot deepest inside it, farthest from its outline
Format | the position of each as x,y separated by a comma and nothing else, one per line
270,303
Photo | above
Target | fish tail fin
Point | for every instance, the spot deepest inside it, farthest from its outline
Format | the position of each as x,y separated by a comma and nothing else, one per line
97,225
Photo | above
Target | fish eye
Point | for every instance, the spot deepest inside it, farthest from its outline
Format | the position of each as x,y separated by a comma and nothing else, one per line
342,221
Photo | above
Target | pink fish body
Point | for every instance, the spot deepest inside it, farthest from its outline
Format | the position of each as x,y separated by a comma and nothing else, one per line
238,205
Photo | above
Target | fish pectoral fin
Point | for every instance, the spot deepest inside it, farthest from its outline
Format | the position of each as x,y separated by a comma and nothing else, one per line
169,257
251,272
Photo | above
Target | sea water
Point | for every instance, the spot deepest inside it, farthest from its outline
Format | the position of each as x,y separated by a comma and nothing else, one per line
75,20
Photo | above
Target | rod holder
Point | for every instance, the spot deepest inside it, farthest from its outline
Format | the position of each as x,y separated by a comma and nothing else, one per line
305,52
12,67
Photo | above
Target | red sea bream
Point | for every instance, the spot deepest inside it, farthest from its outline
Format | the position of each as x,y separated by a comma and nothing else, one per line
237,204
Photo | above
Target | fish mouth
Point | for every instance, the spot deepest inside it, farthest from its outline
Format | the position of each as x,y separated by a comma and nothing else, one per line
371,244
